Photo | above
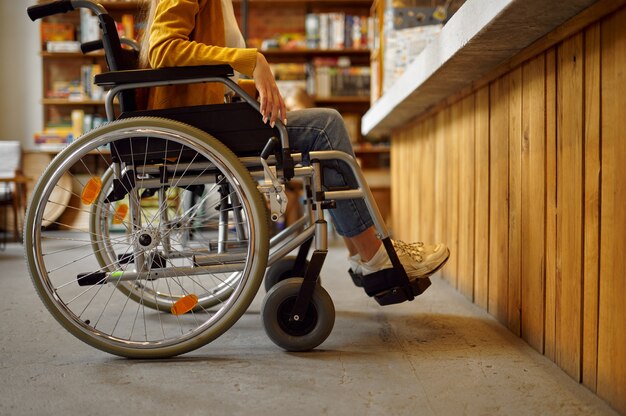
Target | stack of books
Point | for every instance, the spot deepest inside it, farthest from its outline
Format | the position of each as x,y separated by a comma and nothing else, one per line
336,31
327,78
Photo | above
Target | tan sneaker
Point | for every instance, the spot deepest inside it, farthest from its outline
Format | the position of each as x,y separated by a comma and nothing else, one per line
418,259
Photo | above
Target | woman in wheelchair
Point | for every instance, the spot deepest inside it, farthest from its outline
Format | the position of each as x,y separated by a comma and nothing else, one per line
205,32
149,236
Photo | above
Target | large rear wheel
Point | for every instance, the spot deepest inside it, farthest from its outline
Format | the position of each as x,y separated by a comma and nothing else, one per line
128,266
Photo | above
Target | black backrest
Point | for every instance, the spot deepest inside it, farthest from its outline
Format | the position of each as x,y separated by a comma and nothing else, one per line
118,58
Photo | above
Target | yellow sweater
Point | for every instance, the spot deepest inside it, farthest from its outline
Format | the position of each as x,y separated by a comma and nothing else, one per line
187,33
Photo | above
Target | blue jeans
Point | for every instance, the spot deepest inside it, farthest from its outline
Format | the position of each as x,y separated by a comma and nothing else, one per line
324,129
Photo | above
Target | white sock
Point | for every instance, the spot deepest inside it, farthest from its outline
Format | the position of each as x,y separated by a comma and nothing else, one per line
356,258
379,261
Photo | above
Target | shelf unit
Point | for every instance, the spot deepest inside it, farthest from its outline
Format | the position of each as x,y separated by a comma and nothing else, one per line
374,159
66,66
303,55
263,19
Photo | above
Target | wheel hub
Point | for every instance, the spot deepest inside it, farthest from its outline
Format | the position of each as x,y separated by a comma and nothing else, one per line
147,239
299,326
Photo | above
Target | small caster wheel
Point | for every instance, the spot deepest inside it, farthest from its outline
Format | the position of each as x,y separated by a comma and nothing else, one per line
301,335
281,270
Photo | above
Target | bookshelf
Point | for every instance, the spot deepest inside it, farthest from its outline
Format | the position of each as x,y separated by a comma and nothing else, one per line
71,104
264,16
304,55
270,19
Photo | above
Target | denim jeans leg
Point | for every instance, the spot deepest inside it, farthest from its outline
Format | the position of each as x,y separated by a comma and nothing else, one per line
324,129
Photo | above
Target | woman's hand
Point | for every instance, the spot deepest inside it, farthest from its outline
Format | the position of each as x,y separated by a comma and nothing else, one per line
272,103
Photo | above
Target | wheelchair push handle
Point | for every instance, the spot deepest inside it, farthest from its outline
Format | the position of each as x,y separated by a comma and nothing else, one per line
91,46
96,45
40,11
48,9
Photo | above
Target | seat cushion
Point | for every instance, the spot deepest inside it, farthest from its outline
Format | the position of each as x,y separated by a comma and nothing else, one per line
237,125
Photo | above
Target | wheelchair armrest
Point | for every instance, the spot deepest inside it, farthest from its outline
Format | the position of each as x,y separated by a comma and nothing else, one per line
113,78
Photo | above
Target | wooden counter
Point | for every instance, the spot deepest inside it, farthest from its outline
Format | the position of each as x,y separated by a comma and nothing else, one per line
515,157
481,36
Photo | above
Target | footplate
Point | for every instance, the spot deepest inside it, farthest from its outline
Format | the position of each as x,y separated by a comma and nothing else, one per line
388,287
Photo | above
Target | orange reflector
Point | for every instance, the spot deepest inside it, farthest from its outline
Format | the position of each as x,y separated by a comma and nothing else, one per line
91,190
120,214
184,305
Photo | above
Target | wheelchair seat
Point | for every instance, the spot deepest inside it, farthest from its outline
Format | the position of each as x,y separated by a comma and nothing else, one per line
237,125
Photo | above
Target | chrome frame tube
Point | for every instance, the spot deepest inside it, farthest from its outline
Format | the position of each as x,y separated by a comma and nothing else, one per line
362,192
321,226
295,227
88,4
248,162
276,253
236,205
165,240
169,272
222,238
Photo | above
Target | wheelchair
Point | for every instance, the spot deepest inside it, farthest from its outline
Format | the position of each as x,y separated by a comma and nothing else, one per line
149,236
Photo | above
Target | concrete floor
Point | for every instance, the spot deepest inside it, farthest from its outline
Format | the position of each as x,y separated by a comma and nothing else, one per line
438,355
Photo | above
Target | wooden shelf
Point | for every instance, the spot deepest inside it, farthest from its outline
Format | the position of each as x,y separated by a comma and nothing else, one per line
315,52
132,5
349,3
66,102
351,100
361,56
71,55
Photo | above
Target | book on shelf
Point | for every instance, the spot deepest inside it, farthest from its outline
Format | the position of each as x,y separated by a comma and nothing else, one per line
126,26
63,46
54,137
92,121
330,77
60,133
78,89
62,89
53,32
336,31
289,71
89,28
89,89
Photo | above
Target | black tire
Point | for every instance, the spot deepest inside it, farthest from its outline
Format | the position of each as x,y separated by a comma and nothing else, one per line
281,270
303,335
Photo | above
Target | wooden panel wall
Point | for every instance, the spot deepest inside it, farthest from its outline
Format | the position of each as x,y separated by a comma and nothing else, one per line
525,180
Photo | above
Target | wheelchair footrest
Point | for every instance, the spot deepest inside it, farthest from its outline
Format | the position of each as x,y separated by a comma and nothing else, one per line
357,279
388,287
